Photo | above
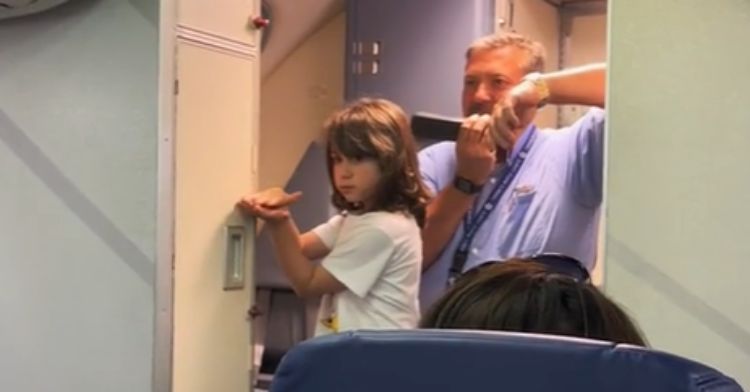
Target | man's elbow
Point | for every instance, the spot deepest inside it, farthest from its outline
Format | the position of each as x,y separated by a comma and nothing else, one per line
428,257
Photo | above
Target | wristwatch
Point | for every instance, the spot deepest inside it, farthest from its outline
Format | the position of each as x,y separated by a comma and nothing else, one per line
466,186
542,90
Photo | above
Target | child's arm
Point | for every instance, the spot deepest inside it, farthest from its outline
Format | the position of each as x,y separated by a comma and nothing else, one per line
293,250
312,246
307,278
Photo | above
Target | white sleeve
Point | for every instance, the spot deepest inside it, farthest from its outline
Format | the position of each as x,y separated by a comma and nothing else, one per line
359,258
328,232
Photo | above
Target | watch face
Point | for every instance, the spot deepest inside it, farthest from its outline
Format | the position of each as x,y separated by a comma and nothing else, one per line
466,186
463,185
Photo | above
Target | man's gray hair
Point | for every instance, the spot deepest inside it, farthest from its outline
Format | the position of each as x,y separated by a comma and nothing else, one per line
535,50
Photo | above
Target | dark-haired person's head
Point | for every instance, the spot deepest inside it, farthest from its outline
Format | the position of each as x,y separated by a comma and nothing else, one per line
525,296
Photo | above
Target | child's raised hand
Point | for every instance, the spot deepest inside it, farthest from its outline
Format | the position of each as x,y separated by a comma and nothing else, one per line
271,204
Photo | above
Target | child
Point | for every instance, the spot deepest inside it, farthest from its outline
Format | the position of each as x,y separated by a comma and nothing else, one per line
372,250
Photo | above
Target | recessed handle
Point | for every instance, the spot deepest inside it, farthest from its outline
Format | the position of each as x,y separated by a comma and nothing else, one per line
234,258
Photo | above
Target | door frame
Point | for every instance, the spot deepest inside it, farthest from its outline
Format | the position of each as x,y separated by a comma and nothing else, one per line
164,289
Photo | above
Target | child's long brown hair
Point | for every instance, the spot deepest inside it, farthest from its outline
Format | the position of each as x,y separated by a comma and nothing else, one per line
378,129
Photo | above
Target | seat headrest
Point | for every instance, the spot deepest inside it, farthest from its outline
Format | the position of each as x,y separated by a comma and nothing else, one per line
451,360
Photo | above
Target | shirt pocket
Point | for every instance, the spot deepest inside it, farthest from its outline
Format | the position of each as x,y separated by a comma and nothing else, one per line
514,241
518,205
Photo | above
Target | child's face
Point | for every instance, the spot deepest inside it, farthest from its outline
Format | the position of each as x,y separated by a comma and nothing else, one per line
356,179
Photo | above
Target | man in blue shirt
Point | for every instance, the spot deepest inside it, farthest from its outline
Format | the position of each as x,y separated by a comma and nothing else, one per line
505,188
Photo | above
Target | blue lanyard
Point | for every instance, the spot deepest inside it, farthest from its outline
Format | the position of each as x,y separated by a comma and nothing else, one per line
474,220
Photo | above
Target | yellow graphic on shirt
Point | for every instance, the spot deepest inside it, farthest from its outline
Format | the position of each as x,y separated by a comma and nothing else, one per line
331,322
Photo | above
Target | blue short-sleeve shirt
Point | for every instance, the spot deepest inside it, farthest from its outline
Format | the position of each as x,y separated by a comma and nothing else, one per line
551,205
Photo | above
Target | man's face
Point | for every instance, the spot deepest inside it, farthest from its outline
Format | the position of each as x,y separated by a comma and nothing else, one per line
488,77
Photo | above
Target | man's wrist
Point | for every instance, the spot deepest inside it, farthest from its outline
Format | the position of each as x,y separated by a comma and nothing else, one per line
540,86
466,185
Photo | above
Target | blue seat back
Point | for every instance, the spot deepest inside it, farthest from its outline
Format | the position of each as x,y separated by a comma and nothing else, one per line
450,360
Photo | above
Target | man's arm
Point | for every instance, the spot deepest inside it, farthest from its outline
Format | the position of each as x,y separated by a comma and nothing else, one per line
578,86
583,85
444,215
475,161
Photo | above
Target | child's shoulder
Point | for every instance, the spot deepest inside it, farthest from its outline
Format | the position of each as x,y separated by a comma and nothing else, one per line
386,221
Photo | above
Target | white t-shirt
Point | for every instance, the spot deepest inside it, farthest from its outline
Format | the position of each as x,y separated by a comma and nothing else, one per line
378,257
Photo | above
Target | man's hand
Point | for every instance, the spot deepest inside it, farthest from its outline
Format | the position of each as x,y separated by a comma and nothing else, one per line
475,151
512,115
271,204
